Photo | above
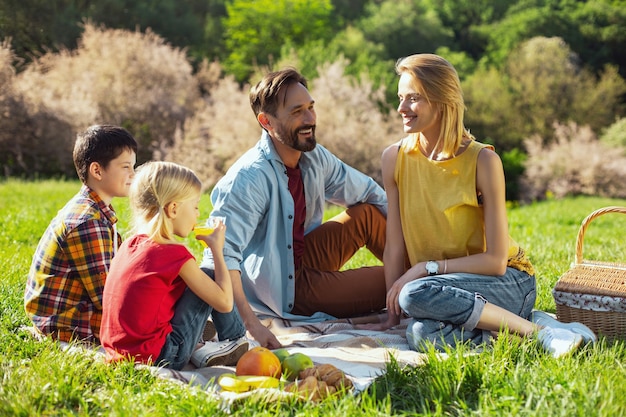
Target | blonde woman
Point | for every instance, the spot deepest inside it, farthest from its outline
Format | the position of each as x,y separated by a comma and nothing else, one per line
156,298
467,279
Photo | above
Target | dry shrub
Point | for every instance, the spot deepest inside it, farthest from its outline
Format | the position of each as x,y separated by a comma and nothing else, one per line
10,110
31,140
131,79
575,163
7,72
137,81
218,133
208,75
349,121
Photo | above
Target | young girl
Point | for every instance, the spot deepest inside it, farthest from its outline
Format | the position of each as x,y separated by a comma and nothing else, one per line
156,299
447,215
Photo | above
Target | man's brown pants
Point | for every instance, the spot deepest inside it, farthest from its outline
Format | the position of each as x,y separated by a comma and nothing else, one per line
321,286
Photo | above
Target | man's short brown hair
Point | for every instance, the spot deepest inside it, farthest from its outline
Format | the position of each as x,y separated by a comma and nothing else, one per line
266,95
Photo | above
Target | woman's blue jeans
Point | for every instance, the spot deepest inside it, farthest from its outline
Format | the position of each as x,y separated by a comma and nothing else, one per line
446,308
190,317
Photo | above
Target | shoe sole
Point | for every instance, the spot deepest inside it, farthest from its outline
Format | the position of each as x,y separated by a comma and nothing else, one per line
228,357
578,328
209,331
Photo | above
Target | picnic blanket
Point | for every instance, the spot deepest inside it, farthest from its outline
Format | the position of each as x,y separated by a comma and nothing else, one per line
361,354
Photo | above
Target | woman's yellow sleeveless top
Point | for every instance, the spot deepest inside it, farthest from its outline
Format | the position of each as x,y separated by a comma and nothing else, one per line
440,211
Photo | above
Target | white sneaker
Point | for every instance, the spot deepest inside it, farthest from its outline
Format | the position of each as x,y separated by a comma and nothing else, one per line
546,320
219,353
253,343
559,342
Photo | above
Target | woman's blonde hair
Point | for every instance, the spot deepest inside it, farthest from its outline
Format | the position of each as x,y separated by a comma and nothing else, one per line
437,80
157,184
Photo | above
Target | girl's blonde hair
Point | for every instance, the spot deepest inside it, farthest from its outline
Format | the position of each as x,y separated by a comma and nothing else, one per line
437,80
157,184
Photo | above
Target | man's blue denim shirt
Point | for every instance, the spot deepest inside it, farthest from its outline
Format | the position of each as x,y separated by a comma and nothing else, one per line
255,199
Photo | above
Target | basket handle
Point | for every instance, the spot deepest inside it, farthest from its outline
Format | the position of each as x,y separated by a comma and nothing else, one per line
585,224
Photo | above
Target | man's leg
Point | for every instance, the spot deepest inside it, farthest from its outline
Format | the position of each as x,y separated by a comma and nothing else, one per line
341,294
330,246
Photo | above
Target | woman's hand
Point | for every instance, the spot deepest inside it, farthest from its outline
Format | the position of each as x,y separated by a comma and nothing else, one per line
393,295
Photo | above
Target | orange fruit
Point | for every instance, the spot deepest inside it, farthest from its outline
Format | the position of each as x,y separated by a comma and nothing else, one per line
258,361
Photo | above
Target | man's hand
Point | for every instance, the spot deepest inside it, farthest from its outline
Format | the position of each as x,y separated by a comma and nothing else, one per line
264,336
254,326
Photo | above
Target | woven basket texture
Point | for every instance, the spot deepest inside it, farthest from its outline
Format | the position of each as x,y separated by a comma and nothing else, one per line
597,279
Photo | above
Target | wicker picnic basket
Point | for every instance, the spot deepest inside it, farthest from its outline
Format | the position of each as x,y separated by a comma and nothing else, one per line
593,292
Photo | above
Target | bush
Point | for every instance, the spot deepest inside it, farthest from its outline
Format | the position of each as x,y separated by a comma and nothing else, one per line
574,163
349,124
131,79
542,83
31,138
513,164
349,121
615,135
218,133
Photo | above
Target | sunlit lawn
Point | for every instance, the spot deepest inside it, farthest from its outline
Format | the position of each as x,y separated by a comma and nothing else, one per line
512,378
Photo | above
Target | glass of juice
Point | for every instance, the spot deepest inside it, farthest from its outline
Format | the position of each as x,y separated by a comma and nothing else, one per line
208,227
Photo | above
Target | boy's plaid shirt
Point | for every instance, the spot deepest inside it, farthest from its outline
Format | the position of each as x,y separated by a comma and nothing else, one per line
63,294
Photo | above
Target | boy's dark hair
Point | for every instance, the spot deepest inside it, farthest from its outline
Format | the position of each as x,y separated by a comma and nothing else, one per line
101,144
264,96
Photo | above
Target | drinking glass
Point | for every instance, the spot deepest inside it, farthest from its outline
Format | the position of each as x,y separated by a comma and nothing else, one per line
208,227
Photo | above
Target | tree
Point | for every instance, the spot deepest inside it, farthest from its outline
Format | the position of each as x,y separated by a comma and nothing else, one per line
541,84
403,27
213,44
594,29
38,25
601,24
256,30
551,86
180,22
131,79
462,17
362,58
526,19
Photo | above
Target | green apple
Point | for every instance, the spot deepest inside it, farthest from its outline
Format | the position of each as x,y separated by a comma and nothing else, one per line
294,363
281,353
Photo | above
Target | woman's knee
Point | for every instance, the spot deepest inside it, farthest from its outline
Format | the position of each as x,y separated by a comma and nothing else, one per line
413,296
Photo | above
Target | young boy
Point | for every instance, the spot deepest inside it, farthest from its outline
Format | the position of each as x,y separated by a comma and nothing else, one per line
63,295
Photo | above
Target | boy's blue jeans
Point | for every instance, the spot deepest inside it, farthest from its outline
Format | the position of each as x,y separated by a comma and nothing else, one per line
189,319
446,308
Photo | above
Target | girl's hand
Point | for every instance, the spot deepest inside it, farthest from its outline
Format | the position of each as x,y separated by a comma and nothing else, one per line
215,241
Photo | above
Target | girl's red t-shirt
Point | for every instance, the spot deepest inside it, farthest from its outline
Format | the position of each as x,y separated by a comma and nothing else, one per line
140,293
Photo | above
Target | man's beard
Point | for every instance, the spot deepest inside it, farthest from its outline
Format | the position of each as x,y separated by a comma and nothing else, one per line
291,138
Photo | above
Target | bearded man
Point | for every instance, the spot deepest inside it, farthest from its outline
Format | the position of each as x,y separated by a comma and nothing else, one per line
283,259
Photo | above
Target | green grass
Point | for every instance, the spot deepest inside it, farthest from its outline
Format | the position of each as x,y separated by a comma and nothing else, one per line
513,378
